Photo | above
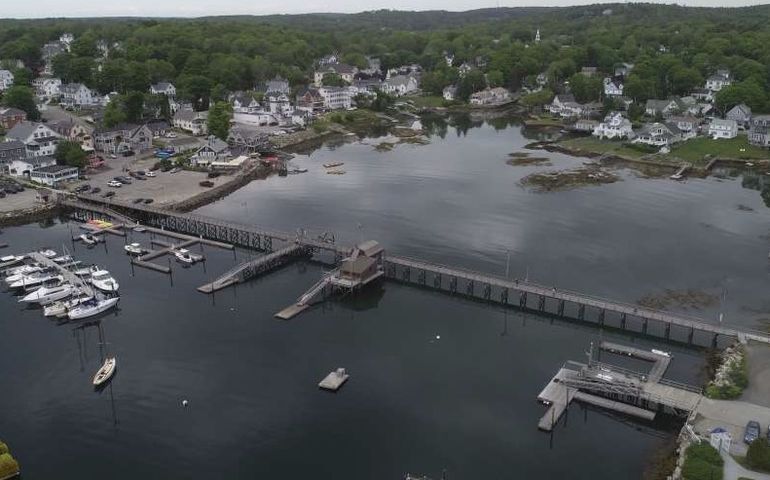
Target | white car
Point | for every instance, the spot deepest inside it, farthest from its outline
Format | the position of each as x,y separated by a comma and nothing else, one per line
150,174
171,135
114,183
112,155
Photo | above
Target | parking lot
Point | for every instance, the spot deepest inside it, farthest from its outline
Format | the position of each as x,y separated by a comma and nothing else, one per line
18,201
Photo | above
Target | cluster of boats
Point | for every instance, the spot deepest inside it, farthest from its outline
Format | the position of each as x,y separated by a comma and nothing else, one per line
59,284
182,254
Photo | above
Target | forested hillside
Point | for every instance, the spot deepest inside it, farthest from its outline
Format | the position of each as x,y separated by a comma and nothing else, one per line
673,48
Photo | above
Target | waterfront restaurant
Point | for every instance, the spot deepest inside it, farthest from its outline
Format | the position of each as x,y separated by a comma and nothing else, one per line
53,174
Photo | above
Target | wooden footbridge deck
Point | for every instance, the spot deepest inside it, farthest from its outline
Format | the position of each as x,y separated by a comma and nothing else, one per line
526,295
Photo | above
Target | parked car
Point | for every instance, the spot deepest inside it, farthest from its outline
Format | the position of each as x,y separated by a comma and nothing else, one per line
148,201
95,190
206,183
138,200
108,194
150,174
124,180
175,170
213,174
83,188
112,155
753,430
114,183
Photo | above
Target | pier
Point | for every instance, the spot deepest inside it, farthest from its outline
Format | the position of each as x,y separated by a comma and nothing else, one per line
68,275
525,295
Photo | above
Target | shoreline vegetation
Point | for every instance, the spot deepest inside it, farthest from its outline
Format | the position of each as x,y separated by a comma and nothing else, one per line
731,376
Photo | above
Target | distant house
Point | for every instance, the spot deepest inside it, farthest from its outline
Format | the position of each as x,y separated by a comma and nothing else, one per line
450,93
401,85
719,80
559,101
542,79
759,133
6,80
183,144
23,167
346,72
123,138
585,125
368,87
686,124
589,71
661,107
613,87
278,85
191,121
46,87
464,69
244,102
615,125
158,127
703,94
658,135
10,116
335,98
75,131
163,88
52,175
38,138
301,118
741,113
719,128
247,138
490,96
310,99
77,95
10,152
278,103
213,150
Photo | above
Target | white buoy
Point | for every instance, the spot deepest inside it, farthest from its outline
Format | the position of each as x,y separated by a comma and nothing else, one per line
184,403
438,337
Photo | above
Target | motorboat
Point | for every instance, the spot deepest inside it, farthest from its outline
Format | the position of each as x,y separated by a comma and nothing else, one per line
183,255
84,272
48,253
10,260
21,268
45,295
33,280
105,372
336,172
60,308
134,249
139,229
23,272
92,307
332,165
64,259
89,239
102,280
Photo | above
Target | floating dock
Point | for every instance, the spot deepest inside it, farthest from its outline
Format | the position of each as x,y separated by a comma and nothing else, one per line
558,397
660,360
291,311
334,380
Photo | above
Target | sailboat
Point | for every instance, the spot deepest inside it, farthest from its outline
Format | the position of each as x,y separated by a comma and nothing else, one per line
105,372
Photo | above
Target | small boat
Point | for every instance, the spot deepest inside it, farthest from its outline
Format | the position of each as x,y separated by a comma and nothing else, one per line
139,229
336,172
10,260
64,259
34,280
134,249
102,280
183,255
332,165
23,270
46,295
89,239
15,277
676,176
60,308
297,171
105,372
48,253
92,307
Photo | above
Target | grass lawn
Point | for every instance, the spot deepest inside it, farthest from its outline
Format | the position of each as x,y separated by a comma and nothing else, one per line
694,150
427,101
593,144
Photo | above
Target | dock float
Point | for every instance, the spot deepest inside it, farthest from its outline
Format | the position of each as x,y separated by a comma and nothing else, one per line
291,311
558,396
613,405
660,360
334,380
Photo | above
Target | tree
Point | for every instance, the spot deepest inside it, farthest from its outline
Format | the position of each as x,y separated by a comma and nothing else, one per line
748,92
133,106
758,455
113,114
473,81
219,120
495,78
70,153
333,80
22,76
21,97
585,88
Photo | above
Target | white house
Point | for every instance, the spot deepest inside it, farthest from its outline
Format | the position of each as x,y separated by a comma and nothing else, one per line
658,135
6,80
686,124
490,96
346,72
450,93
244,102
615,125
335,97
38,138
77,94
23,167
719,128
719,80
47,87
559,101
163,88
66,39
51,175
257,118
401,85
191,121
278,103
613,88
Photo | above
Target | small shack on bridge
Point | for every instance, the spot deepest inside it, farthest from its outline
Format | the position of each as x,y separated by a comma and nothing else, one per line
361,267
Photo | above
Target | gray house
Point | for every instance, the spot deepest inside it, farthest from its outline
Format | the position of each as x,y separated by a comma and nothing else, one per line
759,133
122,138
741,113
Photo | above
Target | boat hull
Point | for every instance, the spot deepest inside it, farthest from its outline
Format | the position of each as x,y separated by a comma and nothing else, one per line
87,310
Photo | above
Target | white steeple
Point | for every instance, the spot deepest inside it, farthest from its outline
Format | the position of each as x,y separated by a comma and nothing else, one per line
537,35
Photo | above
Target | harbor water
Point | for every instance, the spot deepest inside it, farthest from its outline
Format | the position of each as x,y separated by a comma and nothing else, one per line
438,383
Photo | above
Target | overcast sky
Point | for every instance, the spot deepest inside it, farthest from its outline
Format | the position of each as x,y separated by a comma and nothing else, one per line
194,8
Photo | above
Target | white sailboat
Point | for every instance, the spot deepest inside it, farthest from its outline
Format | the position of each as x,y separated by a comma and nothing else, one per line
46,295
105,372
34,280
60,308
92,307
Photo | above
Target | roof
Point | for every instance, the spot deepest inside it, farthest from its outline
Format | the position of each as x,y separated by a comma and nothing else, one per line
161,86
56,168
565,98
12,150
718,122
11,112
189,115
658,104
35,161
215,144
71,87
741,109
121,127
22,130
339,68
399,80
370,248
357,266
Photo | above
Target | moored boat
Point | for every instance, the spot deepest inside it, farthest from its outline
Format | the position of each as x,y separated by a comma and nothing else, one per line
48,253
89,239
64,259
19,274
183,255
105,372
46,295
92,307
332,165
10,260
134,249
33,280
61,307
102,280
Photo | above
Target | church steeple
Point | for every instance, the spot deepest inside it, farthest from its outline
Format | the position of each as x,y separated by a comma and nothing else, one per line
537,35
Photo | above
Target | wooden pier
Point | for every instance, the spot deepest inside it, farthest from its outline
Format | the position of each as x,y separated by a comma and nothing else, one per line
68,275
